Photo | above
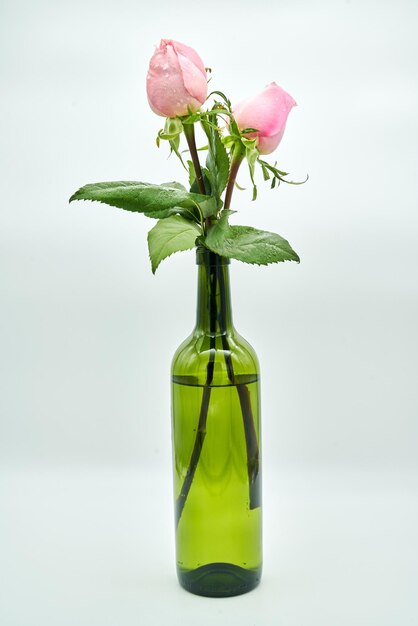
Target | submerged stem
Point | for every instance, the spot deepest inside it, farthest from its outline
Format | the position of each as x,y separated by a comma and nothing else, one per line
204,408
218,314
253,460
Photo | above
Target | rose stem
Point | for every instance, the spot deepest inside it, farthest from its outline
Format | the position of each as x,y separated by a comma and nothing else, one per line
236,161
191,142
204,408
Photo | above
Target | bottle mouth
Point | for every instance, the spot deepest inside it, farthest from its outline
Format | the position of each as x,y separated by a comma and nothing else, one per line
206,257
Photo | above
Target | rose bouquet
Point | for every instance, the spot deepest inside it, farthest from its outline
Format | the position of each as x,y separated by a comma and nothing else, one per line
177,88
215,372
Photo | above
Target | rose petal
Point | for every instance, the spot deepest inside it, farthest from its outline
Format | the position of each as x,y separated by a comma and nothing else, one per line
267,111
194,81
189,53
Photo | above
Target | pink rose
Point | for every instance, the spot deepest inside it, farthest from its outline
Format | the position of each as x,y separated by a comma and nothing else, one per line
176,79
267,112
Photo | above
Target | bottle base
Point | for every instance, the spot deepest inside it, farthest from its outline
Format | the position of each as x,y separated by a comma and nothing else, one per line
219,580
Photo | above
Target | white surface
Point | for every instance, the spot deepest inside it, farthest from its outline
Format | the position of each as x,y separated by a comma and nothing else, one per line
94,548
87,333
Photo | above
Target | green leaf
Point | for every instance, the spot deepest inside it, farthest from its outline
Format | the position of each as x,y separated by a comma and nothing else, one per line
170,235
152,200
209,206
222,224
192,173
194,187
217,161
248,244
174,185
191,213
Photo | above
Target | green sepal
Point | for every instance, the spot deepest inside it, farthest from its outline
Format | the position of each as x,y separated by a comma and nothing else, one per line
229,140
239,187
251,154
171,132
247,131
172,128
278,175
265,171
224,98
174,147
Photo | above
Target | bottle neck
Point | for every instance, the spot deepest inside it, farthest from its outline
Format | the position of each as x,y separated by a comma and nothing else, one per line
214,314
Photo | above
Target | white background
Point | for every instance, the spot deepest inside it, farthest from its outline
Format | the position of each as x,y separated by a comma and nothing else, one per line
87,332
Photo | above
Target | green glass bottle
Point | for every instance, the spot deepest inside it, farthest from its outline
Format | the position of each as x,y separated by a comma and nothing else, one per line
216,446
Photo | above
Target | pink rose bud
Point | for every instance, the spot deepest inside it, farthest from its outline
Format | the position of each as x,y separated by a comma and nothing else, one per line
267,112
176,79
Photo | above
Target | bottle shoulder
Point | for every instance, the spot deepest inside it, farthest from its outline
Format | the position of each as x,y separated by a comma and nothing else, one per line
194,353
